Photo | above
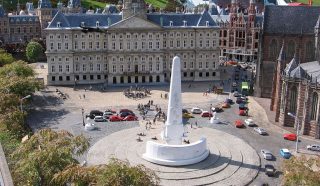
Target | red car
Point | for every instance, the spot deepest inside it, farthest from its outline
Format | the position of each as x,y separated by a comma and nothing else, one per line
115,118
125,110
130,118
242,113
206,114
290,136
239,124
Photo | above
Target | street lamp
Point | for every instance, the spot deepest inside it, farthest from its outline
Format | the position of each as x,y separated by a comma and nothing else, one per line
296,118
82,111
28,96
210,111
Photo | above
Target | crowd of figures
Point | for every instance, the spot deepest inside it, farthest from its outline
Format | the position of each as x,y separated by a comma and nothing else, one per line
137,92
145,108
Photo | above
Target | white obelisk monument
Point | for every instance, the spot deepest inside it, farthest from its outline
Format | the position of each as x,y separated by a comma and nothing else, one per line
173,152
174,129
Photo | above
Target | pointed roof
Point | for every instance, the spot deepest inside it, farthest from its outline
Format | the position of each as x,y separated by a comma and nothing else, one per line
291,66
282,55
205,17
44,4
318,23
299,72
59,17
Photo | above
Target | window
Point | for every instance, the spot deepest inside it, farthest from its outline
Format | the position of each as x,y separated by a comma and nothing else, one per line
178,43
53,78
184,43
51,46
90,45
53,68
83,45
157,44
143,44
98,76
171,23
207,43
67,68
291,49
150,45
59,46
60,78
91,77
120,45
200,64
128,45
58,24
97,45
171,43
113,45
114,68
191,43
207,64
136,45
143,67
76,45
77,67
150,67
97,24
84,77
129,67
200,44
164,44
293,100
191,65
104,45
309,51
314,106
66,46
84,67
68,78
184,64
273,49
60,68
158,66
121,68
98,67
105,66
91,67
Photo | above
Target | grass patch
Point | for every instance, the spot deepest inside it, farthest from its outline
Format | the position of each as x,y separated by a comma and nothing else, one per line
314,2
9,143
157,3
91,3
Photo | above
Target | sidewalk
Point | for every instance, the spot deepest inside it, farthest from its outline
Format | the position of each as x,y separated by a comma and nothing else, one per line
263,105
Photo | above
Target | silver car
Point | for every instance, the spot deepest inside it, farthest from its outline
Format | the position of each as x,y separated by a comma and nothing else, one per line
266,154
313,147
99,119
259,130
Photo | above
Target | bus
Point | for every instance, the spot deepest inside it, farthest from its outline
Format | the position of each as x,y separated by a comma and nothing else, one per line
244,88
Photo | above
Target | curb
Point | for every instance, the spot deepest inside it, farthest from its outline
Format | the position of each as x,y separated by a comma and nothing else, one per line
5,175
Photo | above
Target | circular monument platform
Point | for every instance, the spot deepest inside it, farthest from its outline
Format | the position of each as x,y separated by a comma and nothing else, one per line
231,160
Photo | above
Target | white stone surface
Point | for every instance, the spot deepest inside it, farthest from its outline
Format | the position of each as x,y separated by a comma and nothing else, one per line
174,130
174,153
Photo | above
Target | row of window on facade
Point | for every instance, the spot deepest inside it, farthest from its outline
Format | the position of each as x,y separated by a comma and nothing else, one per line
133,45
128,67
292,102
290,49
135,35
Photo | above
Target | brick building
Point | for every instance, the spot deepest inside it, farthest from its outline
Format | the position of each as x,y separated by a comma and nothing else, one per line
295,27
296,89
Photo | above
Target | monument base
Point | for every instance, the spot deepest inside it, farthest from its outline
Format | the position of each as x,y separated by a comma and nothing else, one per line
176,155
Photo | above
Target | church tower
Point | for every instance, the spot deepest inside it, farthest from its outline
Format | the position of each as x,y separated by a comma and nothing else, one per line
317,39
233,12
252,13
44,11
134,7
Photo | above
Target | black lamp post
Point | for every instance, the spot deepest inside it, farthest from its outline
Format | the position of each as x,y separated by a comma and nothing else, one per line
210,111
82,110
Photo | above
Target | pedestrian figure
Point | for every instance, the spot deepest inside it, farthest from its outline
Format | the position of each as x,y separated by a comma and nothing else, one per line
161,95
84,96
154,120
90,87
85,89
196,123
151,102
191,125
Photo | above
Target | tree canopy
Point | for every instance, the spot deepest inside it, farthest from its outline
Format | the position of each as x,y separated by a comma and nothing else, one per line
301,171
5,58
46,153
33,51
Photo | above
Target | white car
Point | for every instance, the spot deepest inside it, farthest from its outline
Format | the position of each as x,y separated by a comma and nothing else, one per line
249,122
196,110
259,130
313,147
89,126
236,94
99,119
266,154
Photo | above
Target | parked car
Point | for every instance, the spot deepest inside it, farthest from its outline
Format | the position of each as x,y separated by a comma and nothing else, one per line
239,100
242,106
216,109
266,154
313,147
269,170
107,114
115,118
99,119
125,114
225,105
196,110
285,153
249,122
94,113
236,94
243,113
229,101
259,130
130,118
239,124
290,136
206,114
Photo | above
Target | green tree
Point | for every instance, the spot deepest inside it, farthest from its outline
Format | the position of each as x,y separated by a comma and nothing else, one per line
171,5
33,51
115,173
18,68
46,153
301,171
5,58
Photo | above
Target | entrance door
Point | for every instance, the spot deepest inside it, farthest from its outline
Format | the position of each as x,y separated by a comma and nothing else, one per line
136,80
129,79
114,80
143,79
158,78
150,79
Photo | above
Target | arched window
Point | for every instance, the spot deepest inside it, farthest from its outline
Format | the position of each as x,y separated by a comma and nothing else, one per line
314,106
291,49
309,51
273,49
293,100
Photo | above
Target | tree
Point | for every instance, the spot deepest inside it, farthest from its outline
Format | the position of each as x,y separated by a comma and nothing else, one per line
46,153
5,58
33,51
301,171
171,5
115,173
18,68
